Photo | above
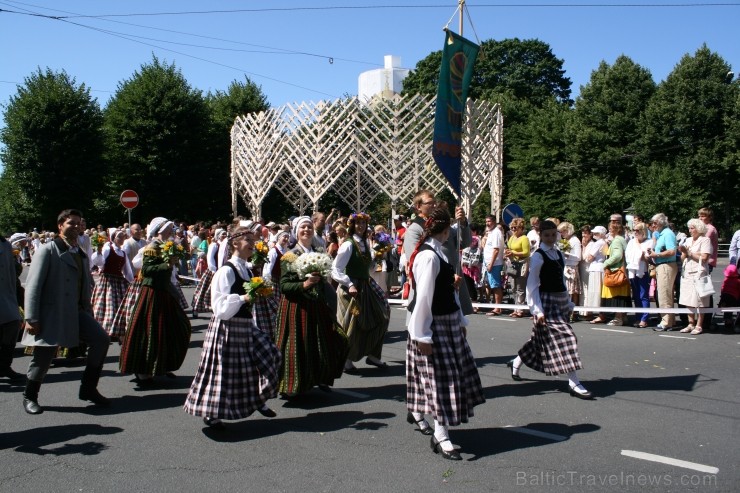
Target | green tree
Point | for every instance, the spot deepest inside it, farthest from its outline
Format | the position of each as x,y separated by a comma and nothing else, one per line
604,135
157,132
684,135
52,151
240,98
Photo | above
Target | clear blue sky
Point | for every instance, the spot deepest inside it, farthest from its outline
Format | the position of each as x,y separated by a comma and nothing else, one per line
263,43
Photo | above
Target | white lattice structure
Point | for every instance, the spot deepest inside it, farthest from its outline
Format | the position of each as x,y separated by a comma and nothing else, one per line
359,151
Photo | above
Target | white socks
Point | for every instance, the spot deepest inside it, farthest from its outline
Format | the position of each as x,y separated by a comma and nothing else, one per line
516,364
575,384
441,435
420,421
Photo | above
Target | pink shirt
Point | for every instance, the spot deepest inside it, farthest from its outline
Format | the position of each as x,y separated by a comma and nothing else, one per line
714,241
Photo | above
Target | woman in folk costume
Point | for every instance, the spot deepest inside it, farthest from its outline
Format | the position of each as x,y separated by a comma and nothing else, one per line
362,308
115,277
266,308
312,344
553,347
202,295
441,377
239,364
158,333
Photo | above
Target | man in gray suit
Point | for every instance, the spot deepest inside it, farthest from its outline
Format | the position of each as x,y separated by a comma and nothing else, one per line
58,312
10,316
425,203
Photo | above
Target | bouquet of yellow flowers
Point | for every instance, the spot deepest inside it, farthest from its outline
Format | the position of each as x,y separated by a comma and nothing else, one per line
564,245
97,240
258,287
259,256
172,250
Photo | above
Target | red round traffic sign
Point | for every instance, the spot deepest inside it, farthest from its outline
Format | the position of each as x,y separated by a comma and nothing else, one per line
129,199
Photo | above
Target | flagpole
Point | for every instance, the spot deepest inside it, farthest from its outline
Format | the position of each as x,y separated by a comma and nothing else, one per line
461,8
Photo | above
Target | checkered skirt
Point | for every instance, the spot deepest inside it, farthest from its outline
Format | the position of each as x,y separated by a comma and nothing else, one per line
265,312
553,347
445,384
107,296
365,318
120,321
202,295
238,371
180,295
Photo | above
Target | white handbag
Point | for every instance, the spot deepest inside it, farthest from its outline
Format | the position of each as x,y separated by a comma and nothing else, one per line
703,284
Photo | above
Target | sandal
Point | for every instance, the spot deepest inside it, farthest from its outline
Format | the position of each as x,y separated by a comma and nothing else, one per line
687,329
640,325
598,320
615,323
698,330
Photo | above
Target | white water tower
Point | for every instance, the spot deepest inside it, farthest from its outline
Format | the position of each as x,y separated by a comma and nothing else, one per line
385,81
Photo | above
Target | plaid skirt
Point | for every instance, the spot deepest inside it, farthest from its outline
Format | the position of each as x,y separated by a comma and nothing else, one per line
158,334
553,347
313,346
446,384
180,295
365,318
265,312
125,309
238,371
107,297
202,295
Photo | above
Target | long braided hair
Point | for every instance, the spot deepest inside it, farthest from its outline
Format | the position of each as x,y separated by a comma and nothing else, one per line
438,221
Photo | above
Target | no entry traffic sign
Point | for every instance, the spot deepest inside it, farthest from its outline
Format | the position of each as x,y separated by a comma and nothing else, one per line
129,199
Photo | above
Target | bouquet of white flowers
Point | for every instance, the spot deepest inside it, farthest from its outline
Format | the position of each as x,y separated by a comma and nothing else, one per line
313,262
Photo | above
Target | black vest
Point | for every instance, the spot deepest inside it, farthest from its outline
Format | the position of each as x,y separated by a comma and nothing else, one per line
443,301
238,288
551,274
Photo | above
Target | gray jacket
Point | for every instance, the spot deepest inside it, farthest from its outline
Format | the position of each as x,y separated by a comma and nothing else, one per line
52,295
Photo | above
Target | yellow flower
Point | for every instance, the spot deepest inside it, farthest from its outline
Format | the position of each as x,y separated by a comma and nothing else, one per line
256,280
289,257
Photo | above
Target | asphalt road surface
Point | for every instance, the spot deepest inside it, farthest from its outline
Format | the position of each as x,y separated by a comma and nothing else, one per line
665,418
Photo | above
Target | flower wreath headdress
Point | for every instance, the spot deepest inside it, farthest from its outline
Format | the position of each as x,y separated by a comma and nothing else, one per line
358,216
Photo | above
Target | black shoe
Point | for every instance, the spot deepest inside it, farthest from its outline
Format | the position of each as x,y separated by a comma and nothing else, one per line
267,412
32,407
382,364
213,423
437,449
587,396
510,364
92,395
424,431
31,398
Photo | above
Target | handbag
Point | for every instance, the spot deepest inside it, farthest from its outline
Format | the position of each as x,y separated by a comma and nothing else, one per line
703,284
514,268
615,278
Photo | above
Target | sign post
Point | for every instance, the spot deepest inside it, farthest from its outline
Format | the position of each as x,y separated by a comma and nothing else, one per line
129,199
510,212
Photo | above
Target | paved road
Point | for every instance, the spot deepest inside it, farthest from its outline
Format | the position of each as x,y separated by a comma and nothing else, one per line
661,394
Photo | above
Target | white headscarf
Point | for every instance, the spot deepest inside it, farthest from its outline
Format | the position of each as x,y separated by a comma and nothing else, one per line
158,224
297,224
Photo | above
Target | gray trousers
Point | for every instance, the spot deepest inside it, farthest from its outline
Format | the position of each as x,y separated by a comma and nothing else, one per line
9,333
91,333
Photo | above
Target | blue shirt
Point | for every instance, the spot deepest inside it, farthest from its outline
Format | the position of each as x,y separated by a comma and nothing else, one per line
666,241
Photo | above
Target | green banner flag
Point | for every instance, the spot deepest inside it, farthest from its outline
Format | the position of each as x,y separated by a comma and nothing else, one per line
458,58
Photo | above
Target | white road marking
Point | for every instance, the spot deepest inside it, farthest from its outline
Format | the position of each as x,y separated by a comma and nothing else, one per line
679,337
613,330
349,393
535,433
670,461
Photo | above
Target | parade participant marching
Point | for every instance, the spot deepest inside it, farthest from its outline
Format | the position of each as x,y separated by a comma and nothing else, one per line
267,308
158,332
202,295
553,347
58,312
441,377
313,346
362,308
10,315
115,277
239,364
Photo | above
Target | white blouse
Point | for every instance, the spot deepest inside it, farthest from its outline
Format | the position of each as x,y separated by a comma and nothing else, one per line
223,303
426,268
596,250
343,255
272,258
100,258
